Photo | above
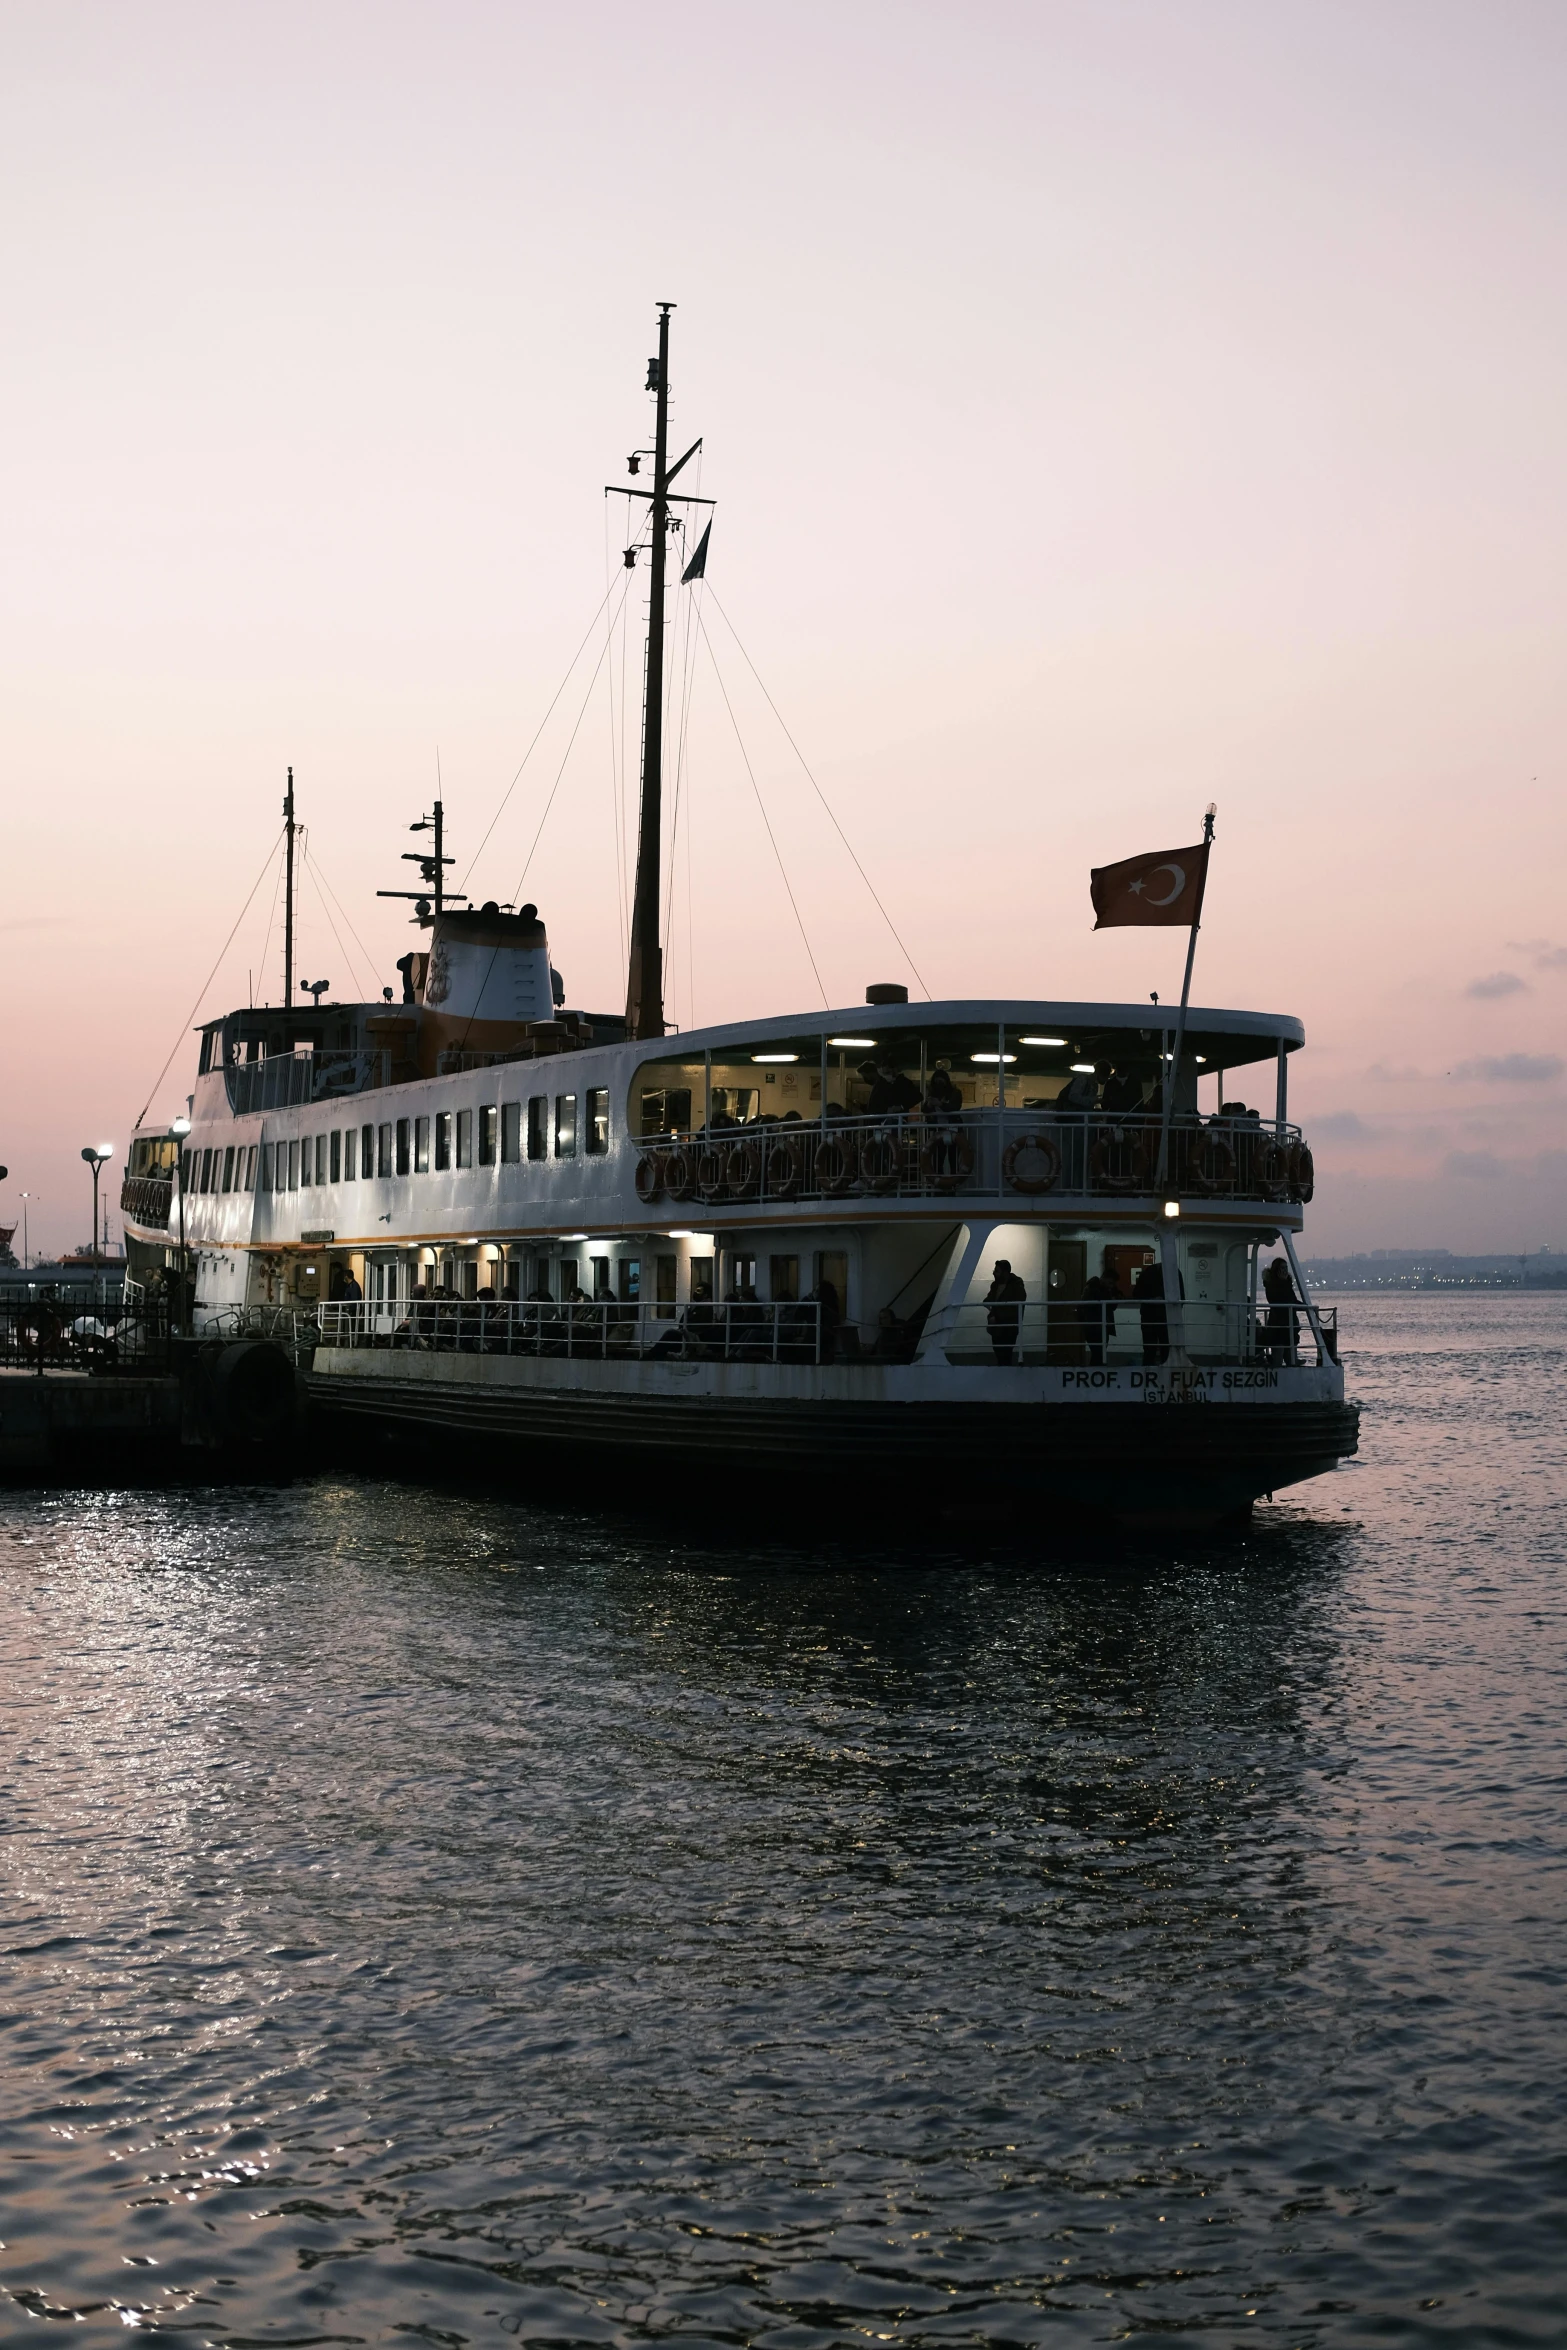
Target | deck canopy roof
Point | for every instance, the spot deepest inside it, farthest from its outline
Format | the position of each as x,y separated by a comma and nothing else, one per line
1046,1036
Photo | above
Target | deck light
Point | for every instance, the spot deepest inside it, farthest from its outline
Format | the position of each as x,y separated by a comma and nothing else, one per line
1041,1040
775,1056
1083,1069
1172,1207
992,1057
864,1040
1201,1060
574,1236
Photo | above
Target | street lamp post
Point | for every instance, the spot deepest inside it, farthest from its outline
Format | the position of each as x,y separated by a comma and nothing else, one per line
26,1196
97,1155
178,1130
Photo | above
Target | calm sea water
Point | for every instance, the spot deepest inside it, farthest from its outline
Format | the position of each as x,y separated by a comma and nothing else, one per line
433,1918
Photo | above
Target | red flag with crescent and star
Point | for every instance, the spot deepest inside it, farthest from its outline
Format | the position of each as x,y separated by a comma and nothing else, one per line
1165,887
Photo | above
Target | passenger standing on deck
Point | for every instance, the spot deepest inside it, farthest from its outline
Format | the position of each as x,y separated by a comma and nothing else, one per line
1004,1298
1279,1290
1094,1308
1149,1286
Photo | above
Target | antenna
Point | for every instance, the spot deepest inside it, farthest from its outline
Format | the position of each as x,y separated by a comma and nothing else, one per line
288,895
432,870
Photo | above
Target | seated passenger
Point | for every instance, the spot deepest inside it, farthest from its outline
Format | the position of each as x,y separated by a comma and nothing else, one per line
892,1338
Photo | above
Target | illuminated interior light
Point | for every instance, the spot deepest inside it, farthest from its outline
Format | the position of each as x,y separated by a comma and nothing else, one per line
1172,1207
992,1057
865,1040
1041,1040
1083,1069
775,1056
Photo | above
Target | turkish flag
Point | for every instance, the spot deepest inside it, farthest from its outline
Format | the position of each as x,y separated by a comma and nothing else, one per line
1166,886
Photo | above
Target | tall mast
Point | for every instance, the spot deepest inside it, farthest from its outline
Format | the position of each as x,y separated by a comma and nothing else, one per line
645,986
288,895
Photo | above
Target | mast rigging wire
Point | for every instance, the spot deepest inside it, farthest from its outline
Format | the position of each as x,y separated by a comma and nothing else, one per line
211,975
532,747
777,852
315,883
820,794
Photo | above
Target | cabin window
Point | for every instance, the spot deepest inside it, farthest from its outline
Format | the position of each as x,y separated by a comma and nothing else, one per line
443,1141
266,1166
565,1126
701,1281
421,1146
404,1126
597,1121
538,1126
739,1276
511,1133
366,1151
320,1158
335,1167
250,1168
293,1165
465,1138
486,1134
670,1097
783,1278
205,1183
383,1150
228,1167
601,1286
630,1272
350,1153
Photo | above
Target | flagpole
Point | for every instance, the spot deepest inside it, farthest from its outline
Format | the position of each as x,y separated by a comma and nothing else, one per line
1172,1073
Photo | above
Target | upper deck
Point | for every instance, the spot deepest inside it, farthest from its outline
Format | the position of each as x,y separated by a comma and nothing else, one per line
873,1110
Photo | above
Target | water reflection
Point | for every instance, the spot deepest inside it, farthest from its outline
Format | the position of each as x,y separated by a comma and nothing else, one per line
437,1915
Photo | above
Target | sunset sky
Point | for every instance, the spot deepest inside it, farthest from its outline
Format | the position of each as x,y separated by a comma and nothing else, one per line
1110,407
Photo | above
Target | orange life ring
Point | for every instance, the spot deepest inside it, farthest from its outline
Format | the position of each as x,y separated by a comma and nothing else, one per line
835,1166
1212,1164
1303,1173
881,1162
782,1171
1271,1168
709,1172
649,1178
952,1146
679,1175
1045,1172
1119,1161
742,1170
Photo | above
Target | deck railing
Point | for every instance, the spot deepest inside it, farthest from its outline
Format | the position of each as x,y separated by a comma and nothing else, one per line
1232,1333
284,1080
986,1154
1121,1333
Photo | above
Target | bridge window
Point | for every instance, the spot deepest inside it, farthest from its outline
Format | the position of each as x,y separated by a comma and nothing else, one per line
465,1138
597,1121
511,1133
539,1126
421,1146
443,1141
486,1134
565,1126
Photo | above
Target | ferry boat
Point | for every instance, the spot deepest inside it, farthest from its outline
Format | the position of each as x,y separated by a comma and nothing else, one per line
559,1235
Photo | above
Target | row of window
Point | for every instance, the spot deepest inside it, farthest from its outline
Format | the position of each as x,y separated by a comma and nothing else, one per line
411,1146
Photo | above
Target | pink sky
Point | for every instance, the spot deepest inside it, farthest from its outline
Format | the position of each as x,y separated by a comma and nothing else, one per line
1112,407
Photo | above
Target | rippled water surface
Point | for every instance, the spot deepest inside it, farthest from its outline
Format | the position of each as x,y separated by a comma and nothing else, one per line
441,1919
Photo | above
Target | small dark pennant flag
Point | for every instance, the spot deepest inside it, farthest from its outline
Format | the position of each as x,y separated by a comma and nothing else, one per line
697,567
1165,887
